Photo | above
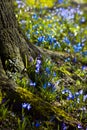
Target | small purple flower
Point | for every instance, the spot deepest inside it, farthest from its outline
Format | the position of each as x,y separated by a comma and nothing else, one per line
74,59
56,45
83,108
23,21
77,48
38,61
26,105
31,59
34,16
47,70
41,39
77,94
50,39
66,91
85,97
32,83
54,74
71,96
82,20
66,40
81,92
37,70
60,1
64,127
67,59
4,100
38,65
49,84
79,126
84,67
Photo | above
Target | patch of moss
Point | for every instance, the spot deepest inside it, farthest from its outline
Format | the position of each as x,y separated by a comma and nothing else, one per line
45,109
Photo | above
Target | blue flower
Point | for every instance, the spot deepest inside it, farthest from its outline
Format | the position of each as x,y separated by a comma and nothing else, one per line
66,40
56,45
66,91
34,16
35,26
77,94
80,44
64,127
54,74
41,39
77,48
31,59
83,108
67,59
85,97
79,126
32,83
37,124
60,1
44,86
82,20
81,92
47,70
51,39
71,96
28,35
84,67
37,70
26,105
84,53
4,100
49,84
38,65
37,32
74,59
23,21
38,61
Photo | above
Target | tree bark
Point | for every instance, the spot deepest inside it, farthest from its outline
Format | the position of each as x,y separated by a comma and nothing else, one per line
12,43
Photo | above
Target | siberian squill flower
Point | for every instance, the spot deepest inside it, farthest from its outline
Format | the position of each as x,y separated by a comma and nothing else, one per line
26,105
38,64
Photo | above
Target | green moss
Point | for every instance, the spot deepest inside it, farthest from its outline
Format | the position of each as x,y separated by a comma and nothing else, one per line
45,109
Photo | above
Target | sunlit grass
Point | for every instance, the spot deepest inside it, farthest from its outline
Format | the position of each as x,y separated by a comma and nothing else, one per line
40,3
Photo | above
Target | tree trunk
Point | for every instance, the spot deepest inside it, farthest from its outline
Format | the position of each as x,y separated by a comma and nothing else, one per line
14,47
12,43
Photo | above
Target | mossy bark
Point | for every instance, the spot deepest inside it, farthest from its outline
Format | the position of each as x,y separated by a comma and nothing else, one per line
45,109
